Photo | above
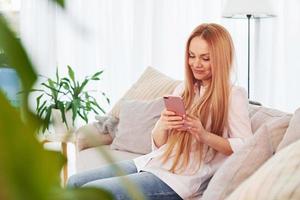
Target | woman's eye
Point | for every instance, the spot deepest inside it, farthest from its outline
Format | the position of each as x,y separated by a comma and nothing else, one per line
206,59
191,56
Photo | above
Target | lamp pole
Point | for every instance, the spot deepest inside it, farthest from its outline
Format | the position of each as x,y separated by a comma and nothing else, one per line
248,17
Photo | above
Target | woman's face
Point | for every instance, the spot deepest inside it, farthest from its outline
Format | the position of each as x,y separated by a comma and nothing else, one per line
199,60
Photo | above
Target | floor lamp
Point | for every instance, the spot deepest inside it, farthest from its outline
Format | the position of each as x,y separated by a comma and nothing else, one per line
247,9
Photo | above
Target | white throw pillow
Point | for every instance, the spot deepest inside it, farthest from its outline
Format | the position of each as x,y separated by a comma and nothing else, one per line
278,178
151,85
276,121
293,131
136,121
239,166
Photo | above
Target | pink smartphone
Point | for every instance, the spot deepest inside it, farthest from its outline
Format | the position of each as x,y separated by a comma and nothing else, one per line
175,104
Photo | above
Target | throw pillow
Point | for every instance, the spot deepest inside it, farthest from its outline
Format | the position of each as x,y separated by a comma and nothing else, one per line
151,85
239,166
89,136
278,178
293,131
276,121
137,119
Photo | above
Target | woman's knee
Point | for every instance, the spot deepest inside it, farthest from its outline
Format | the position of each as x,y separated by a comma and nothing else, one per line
73,181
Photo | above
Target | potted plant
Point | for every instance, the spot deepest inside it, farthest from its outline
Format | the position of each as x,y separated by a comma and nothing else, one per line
63,99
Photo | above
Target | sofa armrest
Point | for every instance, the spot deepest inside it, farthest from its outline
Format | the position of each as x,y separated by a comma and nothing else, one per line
89,136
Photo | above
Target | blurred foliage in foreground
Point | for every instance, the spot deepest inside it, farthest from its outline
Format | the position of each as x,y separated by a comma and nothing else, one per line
27,171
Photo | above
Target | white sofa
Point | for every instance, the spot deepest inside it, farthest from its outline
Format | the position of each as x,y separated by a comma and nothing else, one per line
276,122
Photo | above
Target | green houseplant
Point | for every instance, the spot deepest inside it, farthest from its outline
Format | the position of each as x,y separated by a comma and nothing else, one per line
67,94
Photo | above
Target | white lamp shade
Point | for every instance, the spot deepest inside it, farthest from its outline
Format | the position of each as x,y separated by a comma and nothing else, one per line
241,8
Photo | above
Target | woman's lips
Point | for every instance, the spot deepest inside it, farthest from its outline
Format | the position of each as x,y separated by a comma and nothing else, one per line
198,72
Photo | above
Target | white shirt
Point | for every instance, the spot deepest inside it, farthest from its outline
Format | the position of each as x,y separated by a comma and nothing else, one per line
186,184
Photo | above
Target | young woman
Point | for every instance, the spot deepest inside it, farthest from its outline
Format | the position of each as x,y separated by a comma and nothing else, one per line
183,159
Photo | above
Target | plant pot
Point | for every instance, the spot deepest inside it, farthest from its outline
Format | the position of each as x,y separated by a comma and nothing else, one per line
58,125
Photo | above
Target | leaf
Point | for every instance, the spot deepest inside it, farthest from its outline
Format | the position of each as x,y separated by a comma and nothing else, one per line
66,79
18,59
83,85
96,75
75,107
96,104
57,76
71,74
95,111
47,118
42,112
28,171
81,115
81,194
85,117
108,101
41,106
63,114
61,3
38,101
66,85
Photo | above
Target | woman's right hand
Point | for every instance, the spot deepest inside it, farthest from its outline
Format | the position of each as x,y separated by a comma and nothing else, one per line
169,120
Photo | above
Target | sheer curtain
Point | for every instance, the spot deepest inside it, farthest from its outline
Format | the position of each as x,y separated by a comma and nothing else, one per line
276,60
123,37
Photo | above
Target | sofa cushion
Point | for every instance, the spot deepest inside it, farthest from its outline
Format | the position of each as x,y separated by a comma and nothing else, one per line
151,85
136,121
293,131
239,166
278,178
92,158
276,121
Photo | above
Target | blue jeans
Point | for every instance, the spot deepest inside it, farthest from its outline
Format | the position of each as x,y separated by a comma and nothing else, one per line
151,186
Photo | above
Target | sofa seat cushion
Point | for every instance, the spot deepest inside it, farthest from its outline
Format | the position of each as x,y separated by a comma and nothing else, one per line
92,158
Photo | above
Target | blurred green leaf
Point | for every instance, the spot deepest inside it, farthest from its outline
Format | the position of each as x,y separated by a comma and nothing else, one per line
82,194
60,2
17,58
28,171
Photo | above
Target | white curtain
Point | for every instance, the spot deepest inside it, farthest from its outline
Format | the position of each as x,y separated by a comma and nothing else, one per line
123,37
277,60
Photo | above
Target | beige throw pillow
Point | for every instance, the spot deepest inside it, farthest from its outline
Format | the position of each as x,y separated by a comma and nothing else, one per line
293,131
276,121
152,84
239,166
89,136
137,119
278,178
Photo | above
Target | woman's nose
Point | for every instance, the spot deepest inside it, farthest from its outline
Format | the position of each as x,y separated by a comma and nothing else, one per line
197,63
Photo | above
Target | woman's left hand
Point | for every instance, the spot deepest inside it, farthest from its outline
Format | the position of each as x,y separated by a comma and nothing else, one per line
195,127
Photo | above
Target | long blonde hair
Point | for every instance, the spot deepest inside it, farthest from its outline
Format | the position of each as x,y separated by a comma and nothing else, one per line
215,99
